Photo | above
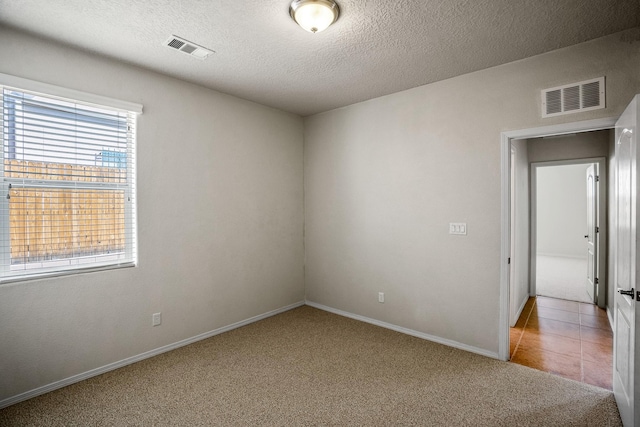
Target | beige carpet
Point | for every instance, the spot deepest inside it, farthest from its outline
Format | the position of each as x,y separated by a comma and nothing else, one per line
309,367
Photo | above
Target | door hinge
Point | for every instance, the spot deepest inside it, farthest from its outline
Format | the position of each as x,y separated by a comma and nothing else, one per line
597,178
596,281
508,260
597,229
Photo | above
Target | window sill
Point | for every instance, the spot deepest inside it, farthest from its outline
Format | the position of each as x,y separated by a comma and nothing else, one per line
52,274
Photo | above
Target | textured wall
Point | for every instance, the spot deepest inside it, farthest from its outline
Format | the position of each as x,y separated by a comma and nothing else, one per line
383,178
220,216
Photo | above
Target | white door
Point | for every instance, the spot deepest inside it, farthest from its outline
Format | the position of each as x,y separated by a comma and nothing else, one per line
625,339
591,236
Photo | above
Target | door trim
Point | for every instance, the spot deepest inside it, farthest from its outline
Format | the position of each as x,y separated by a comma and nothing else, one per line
505,210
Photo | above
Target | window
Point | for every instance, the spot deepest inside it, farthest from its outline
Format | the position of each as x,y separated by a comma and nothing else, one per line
68,176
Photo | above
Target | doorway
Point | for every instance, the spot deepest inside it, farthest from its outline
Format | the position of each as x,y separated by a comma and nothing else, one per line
506,142
624,253
569,226
558,256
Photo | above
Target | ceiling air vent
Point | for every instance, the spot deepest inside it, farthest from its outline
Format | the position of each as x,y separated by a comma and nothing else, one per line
187,47
573,98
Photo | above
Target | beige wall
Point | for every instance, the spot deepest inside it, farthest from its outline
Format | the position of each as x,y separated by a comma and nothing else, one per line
383,178
220,216
580,146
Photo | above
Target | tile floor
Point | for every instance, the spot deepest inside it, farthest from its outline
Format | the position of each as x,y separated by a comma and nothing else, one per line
566,338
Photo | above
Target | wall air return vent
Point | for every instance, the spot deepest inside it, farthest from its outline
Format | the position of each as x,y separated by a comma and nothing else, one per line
184,46
573,98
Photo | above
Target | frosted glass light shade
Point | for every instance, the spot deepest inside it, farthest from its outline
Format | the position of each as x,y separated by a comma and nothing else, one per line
314,15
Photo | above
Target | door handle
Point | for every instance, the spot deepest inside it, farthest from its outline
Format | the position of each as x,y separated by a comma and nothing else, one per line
628,293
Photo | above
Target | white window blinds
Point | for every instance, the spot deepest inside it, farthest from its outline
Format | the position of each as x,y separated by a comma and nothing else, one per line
68,173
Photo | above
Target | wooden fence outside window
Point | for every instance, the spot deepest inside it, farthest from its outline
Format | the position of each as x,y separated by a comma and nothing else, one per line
59,223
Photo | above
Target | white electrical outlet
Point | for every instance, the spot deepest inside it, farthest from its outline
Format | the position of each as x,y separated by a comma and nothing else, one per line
156,319
458,228
380,297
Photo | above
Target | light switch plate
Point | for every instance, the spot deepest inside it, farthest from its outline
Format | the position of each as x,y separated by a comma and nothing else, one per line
459,228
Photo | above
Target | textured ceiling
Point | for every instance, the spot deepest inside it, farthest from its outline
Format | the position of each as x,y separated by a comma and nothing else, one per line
376,47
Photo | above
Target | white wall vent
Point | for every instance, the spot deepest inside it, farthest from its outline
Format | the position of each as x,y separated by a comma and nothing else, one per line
573,98
188,47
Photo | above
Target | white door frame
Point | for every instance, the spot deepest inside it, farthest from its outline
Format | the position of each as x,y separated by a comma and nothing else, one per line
505,211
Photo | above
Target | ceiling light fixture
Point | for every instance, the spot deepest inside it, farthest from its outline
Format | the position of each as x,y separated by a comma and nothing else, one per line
314,15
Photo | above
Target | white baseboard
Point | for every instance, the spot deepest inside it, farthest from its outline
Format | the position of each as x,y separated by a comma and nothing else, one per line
407,331
147,354
610,317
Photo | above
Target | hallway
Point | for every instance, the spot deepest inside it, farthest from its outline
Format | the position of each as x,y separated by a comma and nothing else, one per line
566,338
